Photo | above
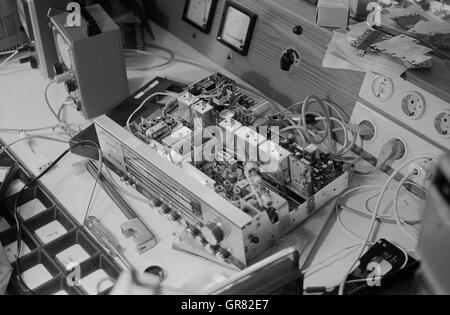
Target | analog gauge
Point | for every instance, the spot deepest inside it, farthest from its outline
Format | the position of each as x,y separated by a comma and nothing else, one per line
383,88
64,51
237,27
200,13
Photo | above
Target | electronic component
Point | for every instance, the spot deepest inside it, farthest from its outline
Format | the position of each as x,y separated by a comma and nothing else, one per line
133,32
96,63
11,32
34,17
200,13
237,26
234,204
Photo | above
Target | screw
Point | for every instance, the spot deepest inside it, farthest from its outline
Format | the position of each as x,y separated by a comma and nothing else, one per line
298,30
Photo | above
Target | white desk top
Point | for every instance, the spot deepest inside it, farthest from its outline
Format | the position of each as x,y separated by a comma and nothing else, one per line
22,105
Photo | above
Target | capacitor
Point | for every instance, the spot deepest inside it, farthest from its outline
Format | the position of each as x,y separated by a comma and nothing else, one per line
237,191
219,189
227,185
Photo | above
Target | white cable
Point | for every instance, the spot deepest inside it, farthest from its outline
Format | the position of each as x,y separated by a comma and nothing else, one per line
145,102
307,272
399,221
169,59
3,150
47,101
4,64
374,218
383,218
7,52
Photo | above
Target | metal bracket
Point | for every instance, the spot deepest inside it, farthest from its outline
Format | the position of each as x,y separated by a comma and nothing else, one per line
142,236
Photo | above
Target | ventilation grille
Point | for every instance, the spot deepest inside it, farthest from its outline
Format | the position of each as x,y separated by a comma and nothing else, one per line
8,27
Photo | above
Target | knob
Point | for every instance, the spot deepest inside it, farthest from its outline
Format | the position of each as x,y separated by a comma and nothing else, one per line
163,209
71,86
213,233
155,203
289,60
192,231
173,217
200,240
254,239
222,255
210,249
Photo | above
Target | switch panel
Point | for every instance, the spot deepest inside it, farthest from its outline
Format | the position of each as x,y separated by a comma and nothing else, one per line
386,130
413,106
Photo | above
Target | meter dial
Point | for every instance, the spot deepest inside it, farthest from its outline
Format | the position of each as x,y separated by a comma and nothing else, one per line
237,27
383,88
200,13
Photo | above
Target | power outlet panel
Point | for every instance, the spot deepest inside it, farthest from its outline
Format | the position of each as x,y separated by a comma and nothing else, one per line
385,130
411,105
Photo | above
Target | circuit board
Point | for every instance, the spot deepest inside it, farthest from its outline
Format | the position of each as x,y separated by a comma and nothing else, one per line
233,172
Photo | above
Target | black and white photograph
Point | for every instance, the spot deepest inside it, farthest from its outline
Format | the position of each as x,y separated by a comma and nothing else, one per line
232,155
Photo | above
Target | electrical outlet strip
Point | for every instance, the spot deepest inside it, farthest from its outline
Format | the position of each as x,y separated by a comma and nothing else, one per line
386,130
421,111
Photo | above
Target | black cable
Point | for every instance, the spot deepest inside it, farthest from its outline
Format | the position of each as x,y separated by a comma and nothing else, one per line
16,212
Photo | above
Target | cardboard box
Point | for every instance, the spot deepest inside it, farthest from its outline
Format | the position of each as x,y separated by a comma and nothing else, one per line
333,13
5,271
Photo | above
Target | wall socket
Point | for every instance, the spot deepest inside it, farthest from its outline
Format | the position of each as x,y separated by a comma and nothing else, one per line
417,109
385,130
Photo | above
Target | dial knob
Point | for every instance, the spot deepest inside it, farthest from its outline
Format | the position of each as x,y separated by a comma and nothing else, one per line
213,233
173,217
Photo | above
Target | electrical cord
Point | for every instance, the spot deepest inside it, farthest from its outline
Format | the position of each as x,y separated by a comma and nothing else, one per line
47,101
3,150
5,63
168,59
145,102
398,220
368,215
18,131
374,218
311,270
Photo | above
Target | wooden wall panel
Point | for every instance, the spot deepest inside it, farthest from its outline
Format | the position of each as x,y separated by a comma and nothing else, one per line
261,68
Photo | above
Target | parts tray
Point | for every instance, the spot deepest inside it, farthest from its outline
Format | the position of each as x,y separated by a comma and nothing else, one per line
42,253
